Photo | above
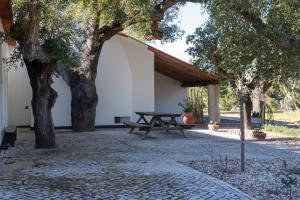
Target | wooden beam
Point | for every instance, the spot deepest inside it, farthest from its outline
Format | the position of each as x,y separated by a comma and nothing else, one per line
5,9
179,72
202,83
7,23
181,63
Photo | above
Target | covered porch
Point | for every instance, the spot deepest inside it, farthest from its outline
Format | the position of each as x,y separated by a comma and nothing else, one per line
186,75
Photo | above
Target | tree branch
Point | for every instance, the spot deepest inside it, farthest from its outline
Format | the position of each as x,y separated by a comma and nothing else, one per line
283,43
32,49
159,13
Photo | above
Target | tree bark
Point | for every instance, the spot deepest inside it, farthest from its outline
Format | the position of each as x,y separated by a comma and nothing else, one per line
43,99
259,100
83,89
256,102
248,110
39,67
84,102
82,80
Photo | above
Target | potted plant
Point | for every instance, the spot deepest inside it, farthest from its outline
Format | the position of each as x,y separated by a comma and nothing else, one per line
213,126
187,109
259,134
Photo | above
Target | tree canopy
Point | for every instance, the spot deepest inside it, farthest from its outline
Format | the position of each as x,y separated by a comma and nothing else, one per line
60,36
254,40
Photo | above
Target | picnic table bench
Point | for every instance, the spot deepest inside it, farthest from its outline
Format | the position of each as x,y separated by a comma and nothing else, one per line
156,122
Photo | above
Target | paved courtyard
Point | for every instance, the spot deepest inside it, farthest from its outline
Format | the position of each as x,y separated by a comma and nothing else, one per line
111,164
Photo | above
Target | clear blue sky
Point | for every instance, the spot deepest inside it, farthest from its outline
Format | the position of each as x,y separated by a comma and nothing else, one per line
191,17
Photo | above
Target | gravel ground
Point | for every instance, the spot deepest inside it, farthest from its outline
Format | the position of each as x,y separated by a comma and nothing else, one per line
112,164
261,180
109,164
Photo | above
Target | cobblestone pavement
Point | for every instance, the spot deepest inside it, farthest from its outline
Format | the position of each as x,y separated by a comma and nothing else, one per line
111,164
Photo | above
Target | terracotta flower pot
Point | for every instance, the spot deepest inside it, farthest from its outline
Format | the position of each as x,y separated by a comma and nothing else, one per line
188,118
260,135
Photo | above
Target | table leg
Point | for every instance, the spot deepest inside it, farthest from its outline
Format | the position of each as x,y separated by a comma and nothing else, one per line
182,132
142,117
173,120
152,123
152,120
160,121
146,134
131,130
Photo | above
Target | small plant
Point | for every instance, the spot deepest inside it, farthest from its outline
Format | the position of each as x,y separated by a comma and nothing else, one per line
187,109
213,125
186,105
287,179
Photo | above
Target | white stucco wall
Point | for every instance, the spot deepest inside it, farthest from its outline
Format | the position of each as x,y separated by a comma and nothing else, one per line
168,93
19,95
114,88
141,61
61,112
114,84
4,52
125,84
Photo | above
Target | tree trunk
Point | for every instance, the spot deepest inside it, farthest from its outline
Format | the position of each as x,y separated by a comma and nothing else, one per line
82,80
242,129
256,102
84,103
263,113
83,89
248,110
43,99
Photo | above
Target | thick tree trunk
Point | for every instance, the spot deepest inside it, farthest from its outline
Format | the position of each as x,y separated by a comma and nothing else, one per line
256,102
259,101
43,99
248,110
84,103
83,89
82,79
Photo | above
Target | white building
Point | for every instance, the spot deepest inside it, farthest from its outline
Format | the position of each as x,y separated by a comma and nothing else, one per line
5,47
132,76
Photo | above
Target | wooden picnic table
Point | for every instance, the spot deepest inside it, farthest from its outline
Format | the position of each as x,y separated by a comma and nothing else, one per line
156,122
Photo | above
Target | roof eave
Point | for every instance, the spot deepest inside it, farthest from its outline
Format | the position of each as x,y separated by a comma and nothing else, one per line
199,84
6,19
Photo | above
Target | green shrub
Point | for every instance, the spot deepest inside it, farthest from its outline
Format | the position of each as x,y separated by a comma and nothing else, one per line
274,104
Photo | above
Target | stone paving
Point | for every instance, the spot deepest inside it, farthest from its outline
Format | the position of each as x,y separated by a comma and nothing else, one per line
111,164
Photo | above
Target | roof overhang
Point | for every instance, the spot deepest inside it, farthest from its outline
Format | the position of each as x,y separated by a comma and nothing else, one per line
170,66
187,74
6,19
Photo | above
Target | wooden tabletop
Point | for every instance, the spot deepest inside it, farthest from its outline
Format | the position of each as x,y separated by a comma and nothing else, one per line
159,114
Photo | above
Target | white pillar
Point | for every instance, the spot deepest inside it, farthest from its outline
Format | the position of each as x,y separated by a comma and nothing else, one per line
213,103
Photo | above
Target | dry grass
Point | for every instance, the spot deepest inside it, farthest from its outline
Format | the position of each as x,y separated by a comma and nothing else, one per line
278,116
287,116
